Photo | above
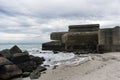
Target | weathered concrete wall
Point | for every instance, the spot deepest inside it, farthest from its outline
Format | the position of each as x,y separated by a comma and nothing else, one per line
109,39
109,48
106,36
116,36
84,28
53,45
80,38
57,35
80,41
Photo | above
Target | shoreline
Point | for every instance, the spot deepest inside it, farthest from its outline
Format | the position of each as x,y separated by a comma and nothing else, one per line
100,67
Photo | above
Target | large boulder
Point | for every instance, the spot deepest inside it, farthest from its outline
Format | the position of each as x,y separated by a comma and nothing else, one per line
20,58
37,60
8,69
15,49
31,64
27,66
4,61
5,53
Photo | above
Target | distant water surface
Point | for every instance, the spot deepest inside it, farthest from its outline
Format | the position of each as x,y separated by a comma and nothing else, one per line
23,46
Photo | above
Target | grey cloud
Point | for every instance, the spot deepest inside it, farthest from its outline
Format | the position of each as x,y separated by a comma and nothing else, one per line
66,8
40,17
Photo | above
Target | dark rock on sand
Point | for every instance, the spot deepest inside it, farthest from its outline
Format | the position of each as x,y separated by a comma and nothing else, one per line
4,61
8,69
26,52
36,73
1,55
41,68
55,52
27,66
6,53
26,74
20,58
31,64
46,65
38,60
15,49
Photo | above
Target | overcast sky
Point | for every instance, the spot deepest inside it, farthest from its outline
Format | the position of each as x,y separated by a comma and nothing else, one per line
34,20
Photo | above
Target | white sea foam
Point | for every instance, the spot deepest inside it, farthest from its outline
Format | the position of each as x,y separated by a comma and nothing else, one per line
58,59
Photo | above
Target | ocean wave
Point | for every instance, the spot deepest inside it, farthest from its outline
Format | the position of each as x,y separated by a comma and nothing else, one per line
58,59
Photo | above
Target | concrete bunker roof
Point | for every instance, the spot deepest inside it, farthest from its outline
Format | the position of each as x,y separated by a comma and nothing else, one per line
84,26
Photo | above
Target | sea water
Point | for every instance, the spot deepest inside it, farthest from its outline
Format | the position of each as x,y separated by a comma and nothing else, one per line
23,46
51,59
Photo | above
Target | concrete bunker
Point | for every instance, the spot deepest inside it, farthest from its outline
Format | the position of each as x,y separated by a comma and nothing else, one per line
88,38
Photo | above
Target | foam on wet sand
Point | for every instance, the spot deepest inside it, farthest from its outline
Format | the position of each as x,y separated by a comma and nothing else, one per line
100,67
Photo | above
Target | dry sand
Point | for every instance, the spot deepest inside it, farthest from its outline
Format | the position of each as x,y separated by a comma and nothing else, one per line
101,67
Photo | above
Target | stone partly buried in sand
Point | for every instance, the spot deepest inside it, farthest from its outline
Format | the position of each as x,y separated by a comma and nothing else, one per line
14,63
36,73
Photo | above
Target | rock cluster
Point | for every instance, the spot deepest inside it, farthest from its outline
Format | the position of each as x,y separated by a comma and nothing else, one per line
14,63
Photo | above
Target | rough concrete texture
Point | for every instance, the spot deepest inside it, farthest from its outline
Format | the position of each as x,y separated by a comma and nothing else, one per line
84,28
110,38
85,37
56,35
53,45
74,38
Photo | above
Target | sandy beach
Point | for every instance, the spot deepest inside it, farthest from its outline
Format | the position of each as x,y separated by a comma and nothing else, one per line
100,67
